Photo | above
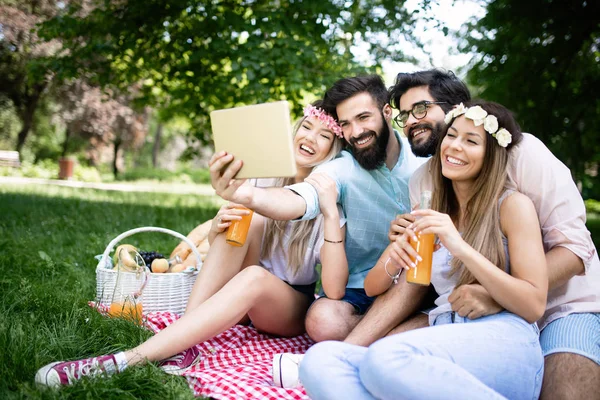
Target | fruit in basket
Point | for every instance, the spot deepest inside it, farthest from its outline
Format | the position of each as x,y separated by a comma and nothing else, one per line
128,247
128,261
149,257
177,268
159,265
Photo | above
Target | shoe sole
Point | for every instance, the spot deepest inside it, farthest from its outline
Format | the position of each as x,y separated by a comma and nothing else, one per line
277,378
41,377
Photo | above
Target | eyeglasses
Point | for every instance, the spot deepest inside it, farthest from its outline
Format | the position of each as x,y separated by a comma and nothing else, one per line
419,111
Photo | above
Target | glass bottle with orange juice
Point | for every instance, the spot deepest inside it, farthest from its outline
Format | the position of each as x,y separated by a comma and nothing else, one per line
421,274
238,230
129,308
131,279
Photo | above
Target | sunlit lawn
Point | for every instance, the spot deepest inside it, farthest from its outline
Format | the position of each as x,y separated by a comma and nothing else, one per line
48,239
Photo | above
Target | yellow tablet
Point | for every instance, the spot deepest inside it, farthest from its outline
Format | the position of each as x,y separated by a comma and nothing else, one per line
260,135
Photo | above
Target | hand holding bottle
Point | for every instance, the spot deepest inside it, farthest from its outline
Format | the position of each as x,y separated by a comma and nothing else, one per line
226,215
433,222
399,225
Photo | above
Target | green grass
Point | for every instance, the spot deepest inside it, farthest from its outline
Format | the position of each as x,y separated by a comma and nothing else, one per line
48,239
182,174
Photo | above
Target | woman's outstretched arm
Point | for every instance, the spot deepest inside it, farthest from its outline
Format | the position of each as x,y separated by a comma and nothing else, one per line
334,264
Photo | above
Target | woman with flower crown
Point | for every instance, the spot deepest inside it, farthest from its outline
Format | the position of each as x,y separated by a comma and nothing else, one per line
269,281
486,234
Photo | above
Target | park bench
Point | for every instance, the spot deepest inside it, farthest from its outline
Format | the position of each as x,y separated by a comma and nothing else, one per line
9,159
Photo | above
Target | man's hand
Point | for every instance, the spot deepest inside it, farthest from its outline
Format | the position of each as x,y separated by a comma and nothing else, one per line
399,224
473,301
222,181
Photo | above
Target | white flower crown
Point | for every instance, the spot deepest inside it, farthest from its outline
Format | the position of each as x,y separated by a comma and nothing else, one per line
480,116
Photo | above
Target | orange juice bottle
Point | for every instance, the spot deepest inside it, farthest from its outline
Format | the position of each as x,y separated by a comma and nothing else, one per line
421,274
129,309
238,230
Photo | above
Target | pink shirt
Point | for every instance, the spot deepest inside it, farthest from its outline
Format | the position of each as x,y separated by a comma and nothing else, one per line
534,171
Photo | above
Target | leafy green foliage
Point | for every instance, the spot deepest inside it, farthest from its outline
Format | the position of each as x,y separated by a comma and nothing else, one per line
541,58
193,56
592,206
49,238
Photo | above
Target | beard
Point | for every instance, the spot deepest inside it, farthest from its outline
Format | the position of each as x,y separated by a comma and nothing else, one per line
372,157
428,147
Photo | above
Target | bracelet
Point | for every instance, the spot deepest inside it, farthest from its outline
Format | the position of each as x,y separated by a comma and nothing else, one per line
333,241
393,277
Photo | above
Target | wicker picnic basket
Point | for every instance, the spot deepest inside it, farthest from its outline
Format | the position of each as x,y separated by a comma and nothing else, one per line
163,292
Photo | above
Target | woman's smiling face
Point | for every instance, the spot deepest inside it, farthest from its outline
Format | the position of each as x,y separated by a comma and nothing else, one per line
463,150
312,142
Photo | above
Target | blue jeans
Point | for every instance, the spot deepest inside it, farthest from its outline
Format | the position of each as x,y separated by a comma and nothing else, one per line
493,357
357,298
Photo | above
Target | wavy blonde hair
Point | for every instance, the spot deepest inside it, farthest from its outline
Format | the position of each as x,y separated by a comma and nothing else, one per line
301,230
480,221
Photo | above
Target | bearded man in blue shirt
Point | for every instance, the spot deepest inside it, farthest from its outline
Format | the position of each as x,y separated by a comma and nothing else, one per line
371,176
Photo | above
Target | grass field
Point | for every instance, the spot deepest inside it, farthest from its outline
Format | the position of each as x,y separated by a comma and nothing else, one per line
48,239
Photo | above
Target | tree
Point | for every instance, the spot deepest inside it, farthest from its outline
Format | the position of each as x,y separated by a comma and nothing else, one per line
24,76
541,58
102,118
195,56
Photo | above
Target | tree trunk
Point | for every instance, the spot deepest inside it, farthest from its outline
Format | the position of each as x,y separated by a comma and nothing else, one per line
116,157
65,146
29,104
156,146
27,120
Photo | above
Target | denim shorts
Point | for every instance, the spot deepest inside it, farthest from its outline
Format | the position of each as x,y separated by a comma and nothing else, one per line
575,333
307,290
358,299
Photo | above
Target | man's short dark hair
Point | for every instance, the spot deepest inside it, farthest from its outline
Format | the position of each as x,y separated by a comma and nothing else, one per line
345,88
442,85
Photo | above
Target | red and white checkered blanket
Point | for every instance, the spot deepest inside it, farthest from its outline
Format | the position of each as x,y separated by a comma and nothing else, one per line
237,363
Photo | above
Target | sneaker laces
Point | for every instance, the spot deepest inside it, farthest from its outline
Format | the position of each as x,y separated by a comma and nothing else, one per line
89,367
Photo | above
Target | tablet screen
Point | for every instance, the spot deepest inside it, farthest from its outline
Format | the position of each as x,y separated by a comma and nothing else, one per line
260,135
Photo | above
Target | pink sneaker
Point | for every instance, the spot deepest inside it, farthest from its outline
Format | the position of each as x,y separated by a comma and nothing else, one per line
68,372
179,363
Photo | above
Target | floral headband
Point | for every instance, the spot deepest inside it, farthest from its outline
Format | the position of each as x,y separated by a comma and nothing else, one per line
326,119
480,116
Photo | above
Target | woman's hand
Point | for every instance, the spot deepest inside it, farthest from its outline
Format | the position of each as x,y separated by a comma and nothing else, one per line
223,169
429,221
327,190
226,215
399,225
401,252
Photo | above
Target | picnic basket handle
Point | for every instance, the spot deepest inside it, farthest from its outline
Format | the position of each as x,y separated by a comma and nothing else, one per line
111,245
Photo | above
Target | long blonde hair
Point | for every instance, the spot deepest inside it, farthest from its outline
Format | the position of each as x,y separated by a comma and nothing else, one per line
297,245
480,219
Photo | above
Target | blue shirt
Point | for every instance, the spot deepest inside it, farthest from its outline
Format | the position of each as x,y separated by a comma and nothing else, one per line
370,200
